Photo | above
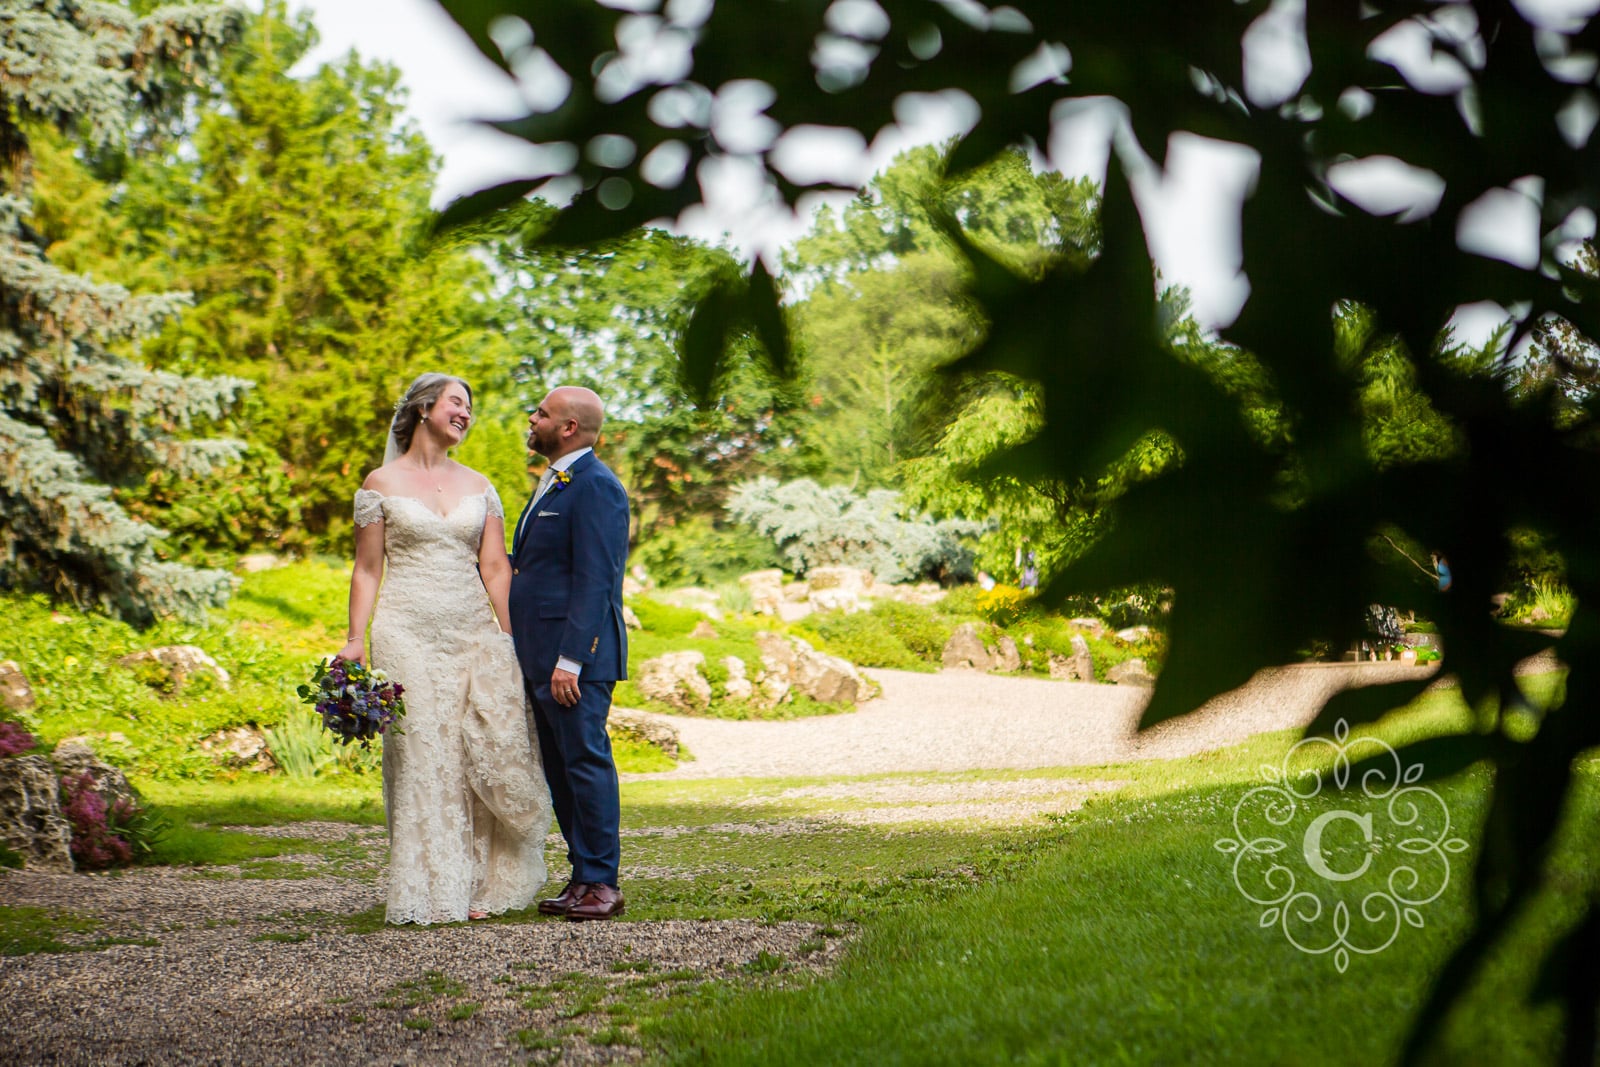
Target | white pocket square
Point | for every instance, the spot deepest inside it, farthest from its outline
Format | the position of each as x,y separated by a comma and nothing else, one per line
542,514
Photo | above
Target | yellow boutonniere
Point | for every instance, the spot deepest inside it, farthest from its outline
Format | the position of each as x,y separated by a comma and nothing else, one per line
563,477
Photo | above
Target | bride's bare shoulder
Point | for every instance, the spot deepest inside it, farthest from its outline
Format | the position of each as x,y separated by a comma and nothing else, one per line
470,477
382,480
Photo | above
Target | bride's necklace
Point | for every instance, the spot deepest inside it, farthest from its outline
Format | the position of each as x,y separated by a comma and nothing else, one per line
438,487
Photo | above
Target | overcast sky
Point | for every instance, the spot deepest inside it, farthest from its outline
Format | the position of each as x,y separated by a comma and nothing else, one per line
1191,210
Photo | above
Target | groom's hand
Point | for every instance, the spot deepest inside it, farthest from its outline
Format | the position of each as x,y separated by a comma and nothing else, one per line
564,687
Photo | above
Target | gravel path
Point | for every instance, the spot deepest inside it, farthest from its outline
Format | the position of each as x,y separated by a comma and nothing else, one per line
258,971
963,720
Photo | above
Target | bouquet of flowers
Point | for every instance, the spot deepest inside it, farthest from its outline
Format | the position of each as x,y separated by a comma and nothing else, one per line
355,702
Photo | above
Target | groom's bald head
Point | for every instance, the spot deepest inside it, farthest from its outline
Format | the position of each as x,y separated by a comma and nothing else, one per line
581,405
569,419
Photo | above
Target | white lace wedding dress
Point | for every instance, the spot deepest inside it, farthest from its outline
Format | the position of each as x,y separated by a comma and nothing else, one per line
463,790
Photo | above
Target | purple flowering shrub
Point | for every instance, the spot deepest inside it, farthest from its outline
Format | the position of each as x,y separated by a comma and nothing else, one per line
96,843
14,739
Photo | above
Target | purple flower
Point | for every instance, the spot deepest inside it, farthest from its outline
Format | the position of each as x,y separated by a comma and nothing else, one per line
14,739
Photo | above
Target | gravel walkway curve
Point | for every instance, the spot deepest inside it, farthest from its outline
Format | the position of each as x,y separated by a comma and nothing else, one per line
963,720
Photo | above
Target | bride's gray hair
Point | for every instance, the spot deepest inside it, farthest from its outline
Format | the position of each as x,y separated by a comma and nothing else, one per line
417,401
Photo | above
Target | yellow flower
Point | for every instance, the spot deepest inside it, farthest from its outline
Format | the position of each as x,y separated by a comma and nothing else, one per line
70,661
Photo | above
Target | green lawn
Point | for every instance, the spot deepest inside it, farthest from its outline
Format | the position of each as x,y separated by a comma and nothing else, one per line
1118,936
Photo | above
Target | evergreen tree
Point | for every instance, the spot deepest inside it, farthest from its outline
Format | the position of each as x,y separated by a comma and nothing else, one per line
296,211
77,416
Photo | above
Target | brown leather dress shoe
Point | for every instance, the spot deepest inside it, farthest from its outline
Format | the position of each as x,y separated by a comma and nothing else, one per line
599,902
563,902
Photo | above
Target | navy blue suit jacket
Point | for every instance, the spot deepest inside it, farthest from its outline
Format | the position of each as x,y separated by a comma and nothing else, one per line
566,577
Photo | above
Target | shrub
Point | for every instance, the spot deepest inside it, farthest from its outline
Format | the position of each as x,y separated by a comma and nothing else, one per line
922,629
699,552
962,602
1002,605
95,842
664,620
865,639
814,526
1543,601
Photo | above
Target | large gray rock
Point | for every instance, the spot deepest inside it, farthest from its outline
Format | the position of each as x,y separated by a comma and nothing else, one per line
703,631
258,561
838,588
766,590
777,653
31,823
852,580
240,748
675,680
792,664
835,600
644,727
179,663
74,758
1007,657
792,611
738,687
1078,667
828,679
1131,672
15,692
966,651
704,601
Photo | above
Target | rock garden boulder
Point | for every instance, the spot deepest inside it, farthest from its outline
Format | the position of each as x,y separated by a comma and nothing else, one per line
174,665
1078,667
1131,672
966,651
643,727
31,822
675,679
766,590
240,748
1007,657
738,686
15,692
73,758
704,601
792,663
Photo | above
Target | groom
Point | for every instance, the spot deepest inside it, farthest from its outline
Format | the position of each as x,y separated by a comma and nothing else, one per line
567,561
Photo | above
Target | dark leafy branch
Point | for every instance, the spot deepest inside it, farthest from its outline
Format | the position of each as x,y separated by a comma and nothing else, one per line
1265,538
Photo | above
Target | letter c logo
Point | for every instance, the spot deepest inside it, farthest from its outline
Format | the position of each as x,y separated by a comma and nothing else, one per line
1312,845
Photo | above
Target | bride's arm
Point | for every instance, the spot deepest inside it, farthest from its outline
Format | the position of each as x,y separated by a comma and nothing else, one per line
364,581
495,567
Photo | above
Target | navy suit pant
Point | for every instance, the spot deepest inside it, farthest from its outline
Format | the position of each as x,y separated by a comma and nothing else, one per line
583,777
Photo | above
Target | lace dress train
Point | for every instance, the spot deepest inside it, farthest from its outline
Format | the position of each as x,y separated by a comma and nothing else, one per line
464,794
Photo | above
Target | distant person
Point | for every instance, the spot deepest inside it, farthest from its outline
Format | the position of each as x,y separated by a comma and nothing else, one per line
985,581
1030,574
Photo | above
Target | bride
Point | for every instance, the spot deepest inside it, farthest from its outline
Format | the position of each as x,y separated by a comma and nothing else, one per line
464,795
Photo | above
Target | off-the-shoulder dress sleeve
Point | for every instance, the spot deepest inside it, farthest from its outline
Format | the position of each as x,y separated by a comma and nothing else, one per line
369,507
495,508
